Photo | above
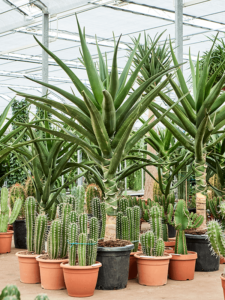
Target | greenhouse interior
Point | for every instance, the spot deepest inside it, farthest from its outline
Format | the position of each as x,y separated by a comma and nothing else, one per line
112,149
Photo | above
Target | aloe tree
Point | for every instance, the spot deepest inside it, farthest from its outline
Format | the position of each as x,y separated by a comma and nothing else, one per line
200,115
105,114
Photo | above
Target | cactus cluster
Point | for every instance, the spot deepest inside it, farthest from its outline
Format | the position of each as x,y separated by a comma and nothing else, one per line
4,214
36,227
17,191
183,220
150,245
81,246
128,225
92,191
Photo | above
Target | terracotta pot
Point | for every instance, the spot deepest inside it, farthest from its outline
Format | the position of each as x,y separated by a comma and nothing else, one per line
182,267
10,227
80,281
5,241
222,260
133,266
223,284
29,268
153,270
171,243
51,273
169,250
139,247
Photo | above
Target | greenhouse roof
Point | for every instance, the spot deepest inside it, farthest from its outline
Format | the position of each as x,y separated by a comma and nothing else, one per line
20,20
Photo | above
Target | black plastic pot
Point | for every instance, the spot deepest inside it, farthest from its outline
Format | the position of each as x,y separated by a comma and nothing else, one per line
20,231
113,275
206,262
192,210
171,231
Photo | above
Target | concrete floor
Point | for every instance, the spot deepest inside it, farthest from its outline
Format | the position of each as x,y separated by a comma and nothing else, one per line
205,286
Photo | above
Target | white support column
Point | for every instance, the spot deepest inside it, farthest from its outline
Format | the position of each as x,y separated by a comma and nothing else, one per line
45,31
179,30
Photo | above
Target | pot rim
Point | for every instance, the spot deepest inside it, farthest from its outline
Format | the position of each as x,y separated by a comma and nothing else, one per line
53,261
164,257
196,236
27,256
133,253
116,249
64,265
7,232
190,256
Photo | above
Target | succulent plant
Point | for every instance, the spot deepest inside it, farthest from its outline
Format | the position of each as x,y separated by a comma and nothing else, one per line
103,218
83,221
125,228
4,214
215,234
80,198
92,242
122,205
39,233
66,209
10,291
182,221
155,214
54,239
92,191
150,245
29,188
17,191
73,217
217,209
73,235
41,297
119,225
30,213
96,210
82,246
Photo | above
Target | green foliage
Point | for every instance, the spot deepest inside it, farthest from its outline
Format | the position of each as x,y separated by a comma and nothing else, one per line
29,187
216,238
39,233
92,191
73,234
182,221
17,191
103,218
10,290
65,211
82,252
82,221
30,213
54,239
125,228
4,214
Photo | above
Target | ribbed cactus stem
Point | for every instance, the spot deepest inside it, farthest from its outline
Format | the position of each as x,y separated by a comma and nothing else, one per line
130,217
83,223
136,227
92,191
73,234
180,245
4,200
103,216
216,238
82,241
30,213
92,242
159,247
96,211
30,188
119,225
156,221
165,231
73,217
125,228
123,204
80,198
39,233
64,219
147,243
54,239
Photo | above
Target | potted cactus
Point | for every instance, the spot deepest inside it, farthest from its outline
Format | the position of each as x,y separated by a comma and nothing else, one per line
182,263
57,250
130,220
215,233
99,212
36,229
6,235
19,227
92,191
81,272
153,263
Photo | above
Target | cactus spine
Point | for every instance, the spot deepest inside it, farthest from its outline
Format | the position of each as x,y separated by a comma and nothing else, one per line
39,233
96,208
92,242
73,217
66,209
82,241
136,227
103,216
73,234
30,212
4,215
216,238
54,239
92,191
83,223
156,221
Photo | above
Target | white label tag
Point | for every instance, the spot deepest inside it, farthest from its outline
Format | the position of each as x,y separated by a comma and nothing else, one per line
175,254
95,265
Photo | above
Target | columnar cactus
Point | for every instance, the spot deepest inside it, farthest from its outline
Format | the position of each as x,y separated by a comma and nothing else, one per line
54,239
92,242
80,198
135,240
103,216
39,233
29,188
216,238
119,225
130,217
73,217
73,201
182,221
73,234
17,191
52,212
92,191
217,209
155,214
30,213
83,223
152,246
66,209
125,228
96,211
122,205
82,243
4,215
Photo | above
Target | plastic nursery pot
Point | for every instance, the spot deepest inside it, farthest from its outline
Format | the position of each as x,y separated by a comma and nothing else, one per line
152,270
5,241
171,243
206,262
80,281
51,273
20,231
113,275
223,284
29,268
171,231
182,266
133,271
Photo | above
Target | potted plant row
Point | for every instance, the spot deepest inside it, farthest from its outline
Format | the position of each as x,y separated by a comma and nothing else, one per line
6,235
